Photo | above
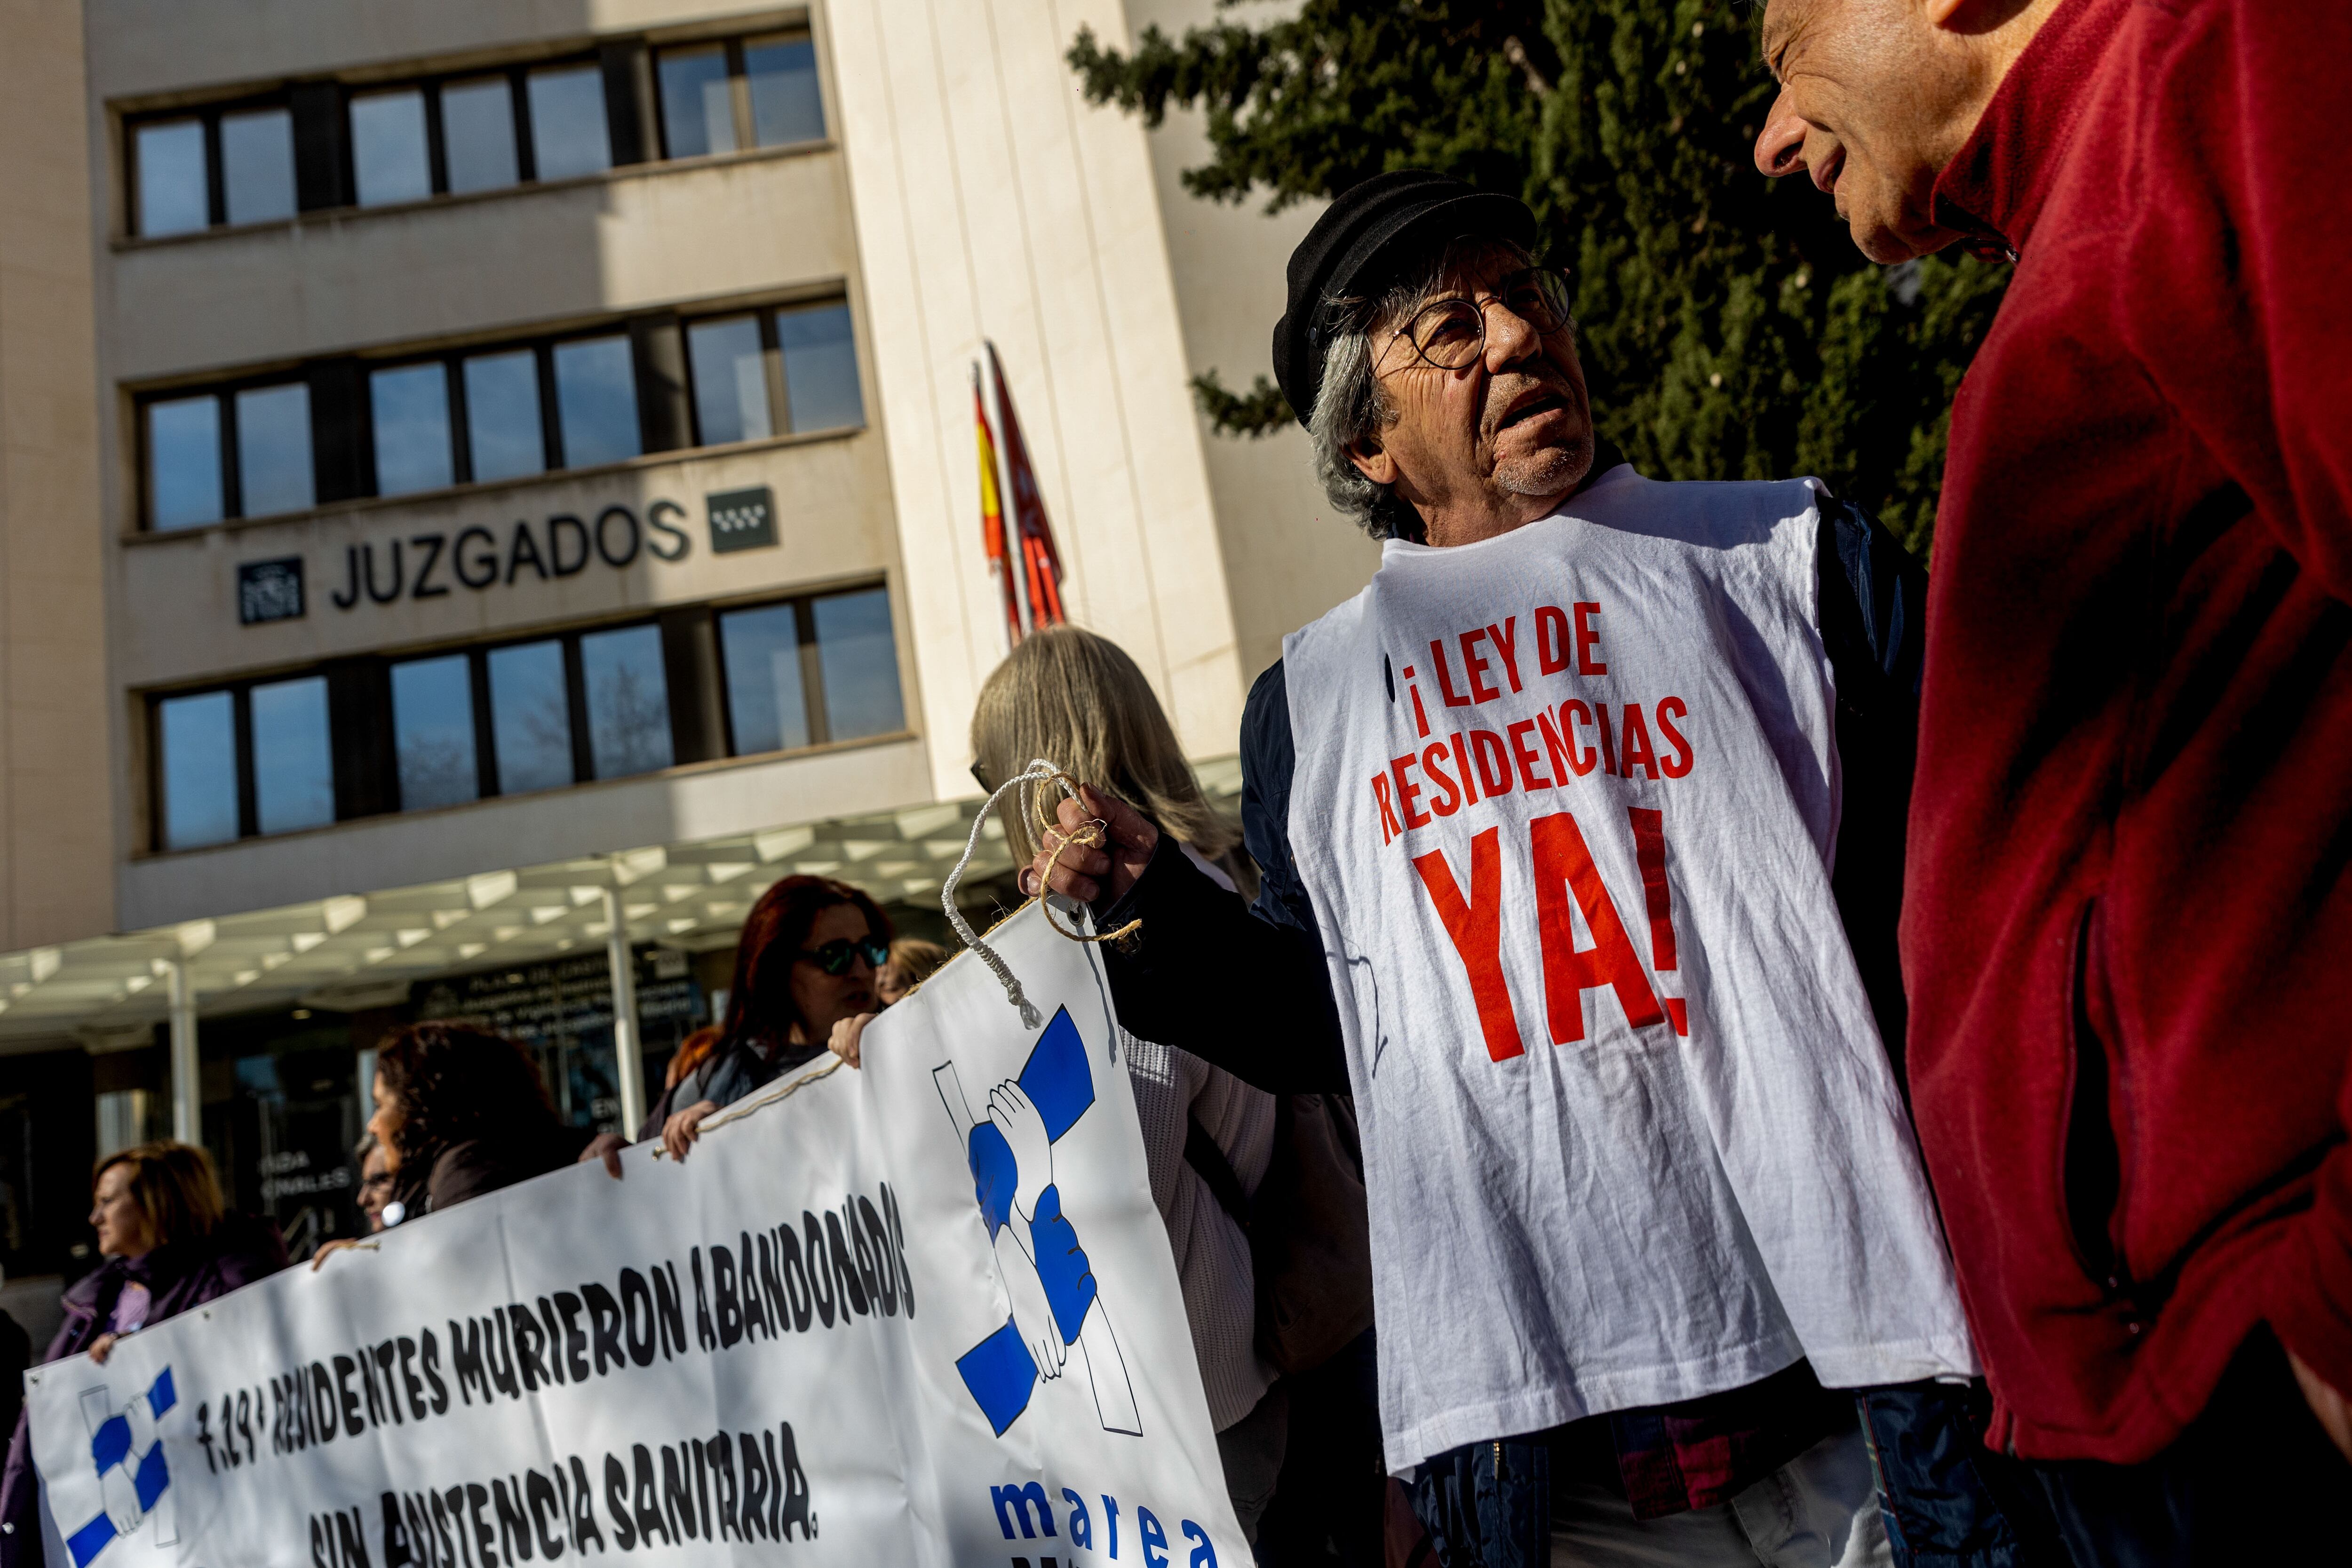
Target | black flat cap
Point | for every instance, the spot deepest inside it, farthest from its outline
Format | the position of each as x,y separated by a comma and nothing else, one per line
1382,222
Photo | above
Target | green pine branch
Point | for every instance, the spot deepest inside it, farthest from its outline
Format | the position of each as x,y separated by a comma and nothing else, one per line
1729,328
1260,411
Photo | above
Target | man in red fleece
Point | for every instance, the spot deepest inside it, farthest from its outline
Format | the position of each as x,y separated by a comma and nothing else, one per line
2128,929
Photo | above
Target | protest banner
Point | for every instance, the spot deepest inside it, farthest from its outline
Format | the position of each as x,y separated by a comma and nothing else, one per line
920,1314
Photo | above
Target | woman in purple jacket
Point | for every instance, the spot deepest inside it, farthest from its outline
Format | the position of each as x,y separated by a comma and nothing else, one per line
170,1245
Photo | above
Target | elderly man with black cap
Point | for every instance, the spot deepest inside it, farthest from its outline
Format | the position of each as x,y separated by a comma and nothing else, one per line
1558,820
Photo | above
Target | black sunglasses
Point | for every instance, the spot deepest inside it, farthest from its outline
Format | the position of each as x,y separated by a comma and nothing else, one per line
836,956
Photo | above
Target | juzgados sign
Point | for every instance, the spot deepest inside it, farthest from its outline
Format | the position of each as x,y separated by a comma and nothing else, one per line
477,558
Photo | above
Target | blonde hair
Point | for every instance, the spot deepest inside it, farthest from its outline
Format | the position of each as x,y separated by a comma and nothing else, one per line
916,960
1079,700
173,1185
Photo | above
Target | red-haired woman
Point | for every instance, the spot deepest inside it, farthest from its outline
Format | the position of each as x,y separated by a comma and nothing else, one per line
805,962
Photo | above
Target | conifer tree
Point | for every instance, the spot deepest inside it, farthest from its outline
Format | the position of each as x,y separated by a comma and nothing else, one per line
1729,328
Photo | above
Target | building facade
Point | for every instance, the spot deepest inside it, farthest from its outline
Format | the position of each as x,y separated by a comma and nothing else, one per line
486,487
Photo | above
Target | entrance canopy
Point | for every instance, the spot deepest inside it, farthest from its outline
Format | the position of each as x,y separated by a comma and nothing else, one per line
331,953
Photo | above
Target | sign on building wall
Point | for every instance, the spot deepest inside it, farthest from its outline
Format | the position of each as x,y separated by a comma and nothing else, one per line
833,1334
269,591
742,520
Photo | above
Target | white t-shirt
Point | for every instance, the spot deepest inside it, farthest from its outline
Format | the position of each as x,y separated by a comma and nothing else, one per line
1629,1131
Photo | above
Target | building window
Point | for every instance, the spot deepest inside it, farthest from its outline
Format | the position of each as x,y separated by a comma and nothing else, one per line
569,131
596,401
767,704
184,461
629,702
247,449
273,449
409,406
820,368
257,165
320,145
173,195
244,451
433,731
785,104
390,160
477,134
293,766
857,664
729,362
505,437
749,92
531,717
809,672
744,370
372,735
697,102
195,743
230,165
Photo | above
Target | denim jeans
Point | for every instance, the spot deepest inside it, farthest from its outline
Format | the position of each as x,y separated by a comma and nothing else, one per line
1494,1505
1950,1501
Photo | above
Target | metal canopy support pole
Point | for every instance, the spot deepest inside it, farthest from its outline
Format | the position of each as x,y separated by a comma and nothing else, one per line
187,1090
628,1060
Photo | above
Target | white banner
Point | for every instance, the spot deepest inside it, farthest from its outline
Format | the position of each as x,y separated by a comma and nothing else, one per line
923,1313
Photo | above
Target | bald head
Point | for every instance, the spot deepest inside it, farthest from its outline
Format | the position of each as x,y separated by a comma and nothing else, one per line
1876,96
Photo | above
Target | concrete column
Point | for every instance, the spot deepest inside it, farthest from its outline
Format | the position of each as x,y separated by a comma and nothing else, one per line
629,1058
187,1087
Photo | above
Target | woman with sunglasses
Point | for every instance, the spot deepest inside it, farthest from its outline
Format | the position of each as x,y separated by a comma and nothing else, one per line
805,962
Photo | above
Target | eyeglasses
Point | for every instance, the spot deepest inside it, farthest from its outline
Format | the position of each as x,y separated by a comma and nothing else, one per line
834,957
1452,333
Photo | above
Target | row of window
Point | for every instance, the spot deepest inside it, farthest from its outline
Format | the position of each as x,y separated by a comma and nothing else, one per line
369,736
321,145
256,449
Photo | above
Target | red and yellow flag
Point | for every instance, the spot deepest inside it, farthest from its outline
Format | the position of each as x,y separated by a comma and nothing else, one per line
1041,563
992,515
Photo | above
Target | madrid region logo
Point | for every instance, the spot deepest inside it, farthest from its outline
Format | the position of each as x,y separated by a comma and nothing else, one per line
133,1483
1054,1305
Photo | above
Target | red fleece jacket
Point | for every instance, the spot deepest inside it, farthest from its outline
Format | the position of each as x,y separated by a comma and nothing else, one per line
2127,936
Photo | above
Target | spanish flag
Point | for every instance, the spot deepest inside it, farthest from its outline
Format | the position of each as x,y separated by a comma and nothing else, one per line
992,515
1041,563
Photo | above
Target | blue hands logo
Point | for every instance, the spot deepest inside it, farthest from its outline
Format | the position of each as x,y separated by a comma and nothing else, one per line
1054,1301
133,1476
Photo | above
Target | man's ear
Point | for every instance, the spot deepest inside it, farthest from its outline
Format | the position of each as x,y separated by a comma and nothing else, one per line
1373,461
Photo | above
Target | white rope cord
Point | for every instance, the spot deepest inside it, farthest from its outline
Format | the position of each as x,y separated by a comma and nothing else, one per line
1038,772
759,1101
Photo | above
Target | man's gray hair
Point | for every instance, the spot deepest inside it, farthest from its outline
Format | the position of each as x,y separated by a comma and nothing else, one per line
1350,404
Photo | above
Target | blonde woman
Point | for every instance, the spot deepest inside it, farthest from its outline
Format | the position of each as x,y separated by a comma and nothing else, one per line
1077,699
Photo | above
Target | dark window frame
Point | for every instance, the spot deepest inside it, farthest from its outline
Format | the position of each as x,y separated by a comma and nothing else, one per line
772,355
248,800
811,670
340,193
320,113
215,171
739,92
223,395
365,765
668,419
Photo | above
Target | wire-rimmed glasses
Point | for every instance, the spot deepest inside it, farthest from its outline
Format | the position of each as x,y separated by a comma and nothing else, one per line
1451,335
